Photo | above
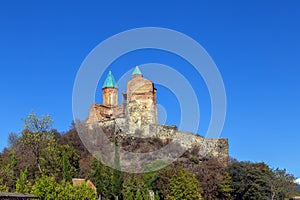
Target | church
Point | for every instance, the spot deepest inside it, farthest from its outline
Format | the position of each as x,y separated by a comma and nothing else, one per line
139,102
137,117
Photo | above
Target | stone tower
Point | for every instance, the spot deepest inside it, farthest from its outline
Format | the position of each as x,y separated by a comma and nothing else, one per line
110,91
140,100
109,109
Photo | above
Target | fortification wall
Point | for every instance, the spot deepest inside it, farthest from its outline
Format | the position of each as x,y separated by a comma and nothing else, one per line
207,148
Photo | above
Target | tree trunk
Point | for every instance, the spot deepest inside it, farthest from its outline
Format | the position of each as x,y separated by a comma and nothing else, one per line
38,164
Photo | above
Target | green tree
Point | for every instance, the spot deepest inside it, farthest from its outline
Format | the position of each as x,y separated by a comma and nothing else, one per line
72,139
8,169
101,176
139,195
45,154
258,181
3,187
60,161
251,180
117,174
85,192
23,185
134,187
152,174
47,189
66,191
178,183
37,135
225,187
156,197
67,174
184,185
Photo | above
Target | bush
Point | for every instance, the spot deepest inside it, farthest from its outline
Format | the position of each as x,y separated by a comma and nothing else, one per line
46,188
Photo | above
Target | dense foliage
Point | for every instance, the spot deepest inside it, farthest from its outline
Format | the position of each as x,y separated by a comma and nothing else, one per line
47,188
258,181
178,183
134,187
42,161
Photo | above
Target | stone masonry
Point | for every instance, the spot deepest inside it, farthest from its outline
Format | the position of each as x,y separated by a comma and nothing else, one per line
137,117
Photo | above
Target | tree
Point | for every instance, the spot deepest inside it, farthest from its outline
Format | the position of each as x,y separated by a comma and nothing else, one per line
66,191
177,183
37,151
8,173
84,192
250,180
72,139
13,140
258,181
23,185
45,187
60,161
139,195
3,187
184,185
215,179
37,135
117,179
67,173
152,174
108,181
101,176
134,187
282,184
225,187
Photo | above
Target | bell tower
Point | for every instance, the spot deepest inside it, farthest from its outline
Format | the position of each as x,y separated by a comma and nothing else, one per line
140,98
110,91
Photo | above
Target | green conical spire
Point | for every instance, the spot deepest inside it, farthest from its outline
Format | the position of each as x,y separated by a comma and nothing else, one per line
110,81
137,71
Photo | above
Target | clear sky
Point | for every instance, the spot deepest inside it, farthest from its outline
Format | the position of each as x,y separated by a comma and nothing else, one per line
255,44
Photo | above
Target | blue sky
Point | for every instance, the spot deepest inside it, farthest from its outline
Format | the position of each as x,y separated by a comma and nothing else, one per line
255,44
